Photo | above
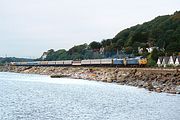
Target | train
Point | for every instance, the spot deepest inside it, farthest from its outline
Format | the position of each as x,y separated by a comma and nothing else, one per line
136,61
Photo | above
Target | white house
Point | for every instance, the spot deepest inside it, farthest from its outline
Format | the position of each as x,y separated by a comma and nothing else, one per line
159,62
165,61
151,49
140,50
171,61
177,61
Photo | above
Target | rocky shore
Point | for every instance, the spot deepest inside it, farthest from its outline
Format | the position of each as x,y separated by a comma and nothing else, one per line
158,80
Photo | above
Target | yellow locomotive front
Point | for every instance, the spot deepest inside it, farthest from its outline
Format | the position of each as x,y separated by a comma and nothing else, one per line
143,61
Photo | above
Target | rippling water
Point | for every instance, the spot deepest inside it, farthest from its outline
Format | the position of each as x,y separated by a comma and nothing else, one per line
39,97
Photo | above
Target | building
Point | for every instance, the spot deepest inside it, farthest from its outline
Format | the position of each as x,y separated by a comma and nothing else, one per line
150,49
177,61
165,61
159,62
171,61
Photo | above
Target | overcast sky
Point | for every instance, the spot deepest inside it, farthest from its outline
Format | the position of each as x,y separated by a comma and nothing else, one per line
30,27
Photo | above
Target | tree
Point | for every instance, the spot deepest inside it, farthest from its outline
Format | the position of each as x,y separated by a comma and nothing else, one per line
106,42
129,50
95,45
78,49
154,54
173,47
120,44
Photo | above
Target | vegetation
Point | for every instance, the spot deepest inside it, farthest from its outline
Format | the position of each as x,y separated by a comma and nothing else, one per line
162,32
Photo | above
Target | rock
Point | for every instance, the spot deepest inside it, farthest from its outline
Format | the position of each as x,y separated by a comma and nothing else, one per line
140,84
58,76
177,89
138,73
145,78
167,74
121,78
109,80
116,70
155,84
158,90
150,87
178,83
104,80
172,92
133,71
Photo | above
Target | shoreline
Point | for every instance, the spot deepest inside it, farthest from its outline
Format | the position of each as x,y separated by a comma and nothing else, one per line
158,80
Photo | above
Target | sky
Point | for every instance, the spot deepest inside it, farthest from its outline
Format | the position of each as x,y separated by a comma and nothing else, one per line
30,27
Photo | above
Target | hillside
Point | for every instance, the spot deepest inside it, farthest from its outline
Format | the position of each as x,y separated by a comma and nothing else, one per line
162,32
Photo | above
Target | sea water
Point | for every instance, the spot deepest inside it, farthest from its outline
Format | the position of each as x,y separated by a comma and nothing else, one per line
39,97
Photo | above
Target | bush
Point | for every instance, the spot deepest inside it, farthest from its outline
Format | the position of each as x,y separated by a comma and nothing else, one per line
170,66
151,63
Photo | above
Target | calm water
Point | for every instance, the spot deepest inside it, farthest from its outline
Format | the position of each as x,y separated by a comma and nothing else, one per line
37,97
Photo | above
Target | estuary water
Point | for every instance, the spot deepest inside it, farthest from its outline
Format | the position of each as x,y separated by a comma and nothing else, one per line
39,97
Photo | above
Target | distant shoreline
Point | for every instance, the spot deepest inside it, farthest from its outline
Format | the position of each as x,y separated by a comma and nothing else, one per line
158,80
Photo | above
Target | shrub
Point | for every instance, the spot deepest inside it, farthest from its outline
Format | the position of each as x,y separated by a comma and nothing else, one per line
151,63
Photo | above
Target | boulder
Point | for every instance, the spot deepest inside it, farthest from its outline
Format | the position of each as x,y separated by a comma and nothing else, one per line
121,78
158,90
177,89
155,84
103,80
109,80
149,86
140,84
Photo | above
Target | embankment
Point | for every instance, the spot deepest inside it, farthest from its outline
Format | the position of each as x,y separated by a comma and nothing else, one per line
158,80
